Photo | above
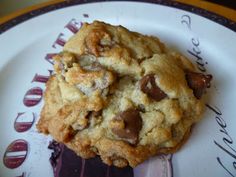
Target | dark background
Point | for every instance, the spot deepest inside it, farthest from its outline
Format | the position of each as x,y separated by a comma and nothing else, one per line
228,3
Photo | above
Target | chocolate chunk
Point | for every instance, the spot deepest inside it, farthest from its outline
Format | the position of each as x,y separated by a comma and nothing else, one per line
198,82
148,86
132,122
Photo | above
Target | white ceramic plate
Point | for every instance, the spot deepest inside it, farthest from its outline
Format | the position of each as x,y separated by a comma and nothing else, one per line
25,48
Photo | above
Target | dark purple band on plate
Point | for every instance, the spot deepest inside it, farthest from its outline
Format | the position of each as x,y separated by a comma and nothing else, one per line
66,163
212,16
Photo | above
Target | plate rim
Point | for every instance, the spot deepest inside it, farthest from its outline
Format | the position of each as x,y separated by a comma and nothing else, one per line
85,2
59,4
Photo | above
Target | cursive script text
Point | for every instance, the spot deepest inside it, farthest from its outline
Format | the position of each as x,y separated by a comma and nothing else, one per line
227,142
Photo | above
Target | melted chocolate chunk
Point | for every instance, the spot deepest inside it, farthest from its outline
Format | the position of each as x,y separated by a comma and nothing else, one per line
198,82
132,125
148,86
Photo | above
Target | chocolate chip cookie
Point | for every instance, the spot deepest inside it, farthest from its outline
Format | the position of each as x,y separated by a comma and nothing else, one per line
121,95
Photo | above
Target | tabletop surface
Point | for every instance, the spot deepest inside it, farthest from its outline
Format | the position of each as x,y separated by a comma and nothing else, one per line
10,8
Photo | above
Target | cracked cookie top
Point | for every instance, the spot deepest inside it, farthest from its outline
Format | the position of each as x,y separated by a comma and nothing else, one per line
121,95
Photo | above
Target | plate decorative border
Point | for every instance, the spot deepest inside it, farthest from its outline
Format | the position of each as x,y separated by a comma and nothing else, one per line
19,19
58,5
